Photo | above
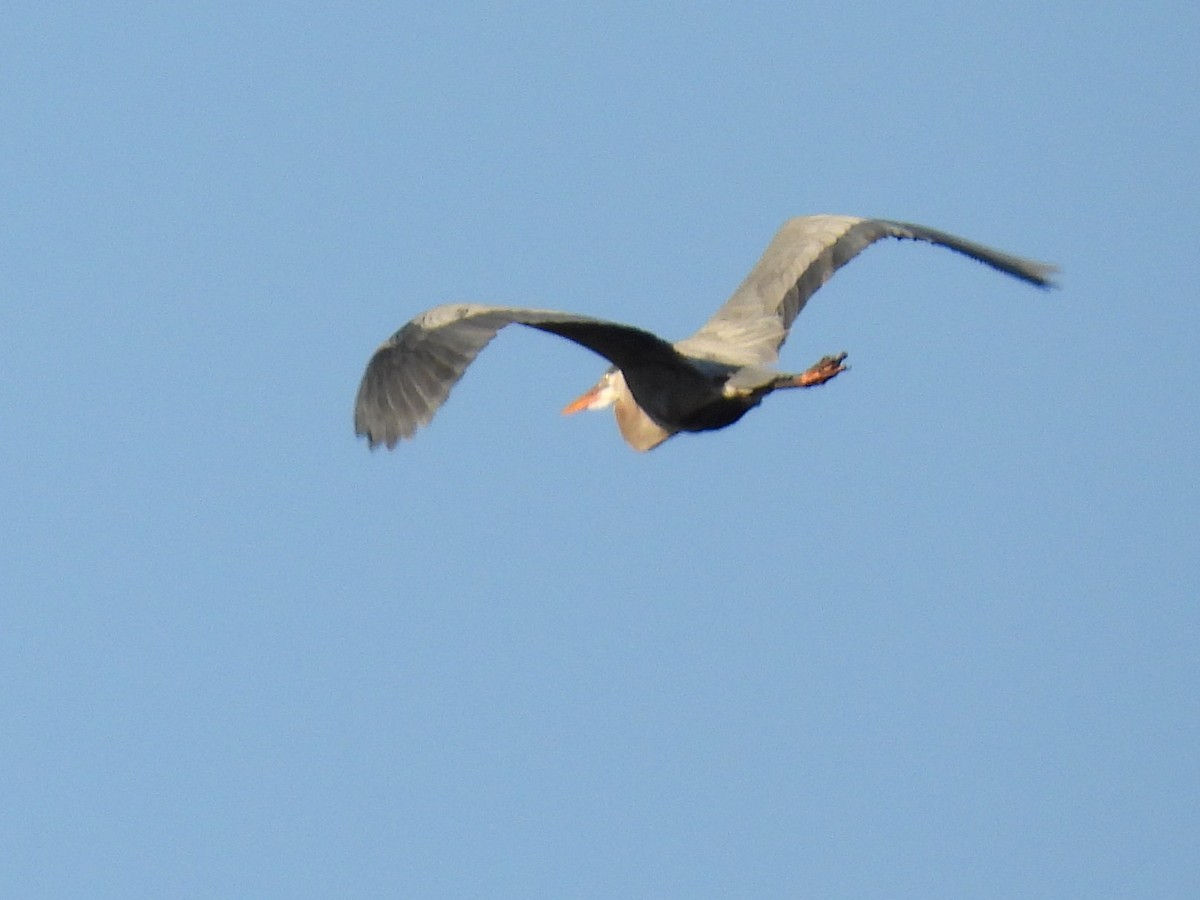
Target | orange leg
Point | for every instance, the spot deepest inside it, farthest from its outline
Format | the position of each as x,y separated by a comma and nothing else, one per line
820,372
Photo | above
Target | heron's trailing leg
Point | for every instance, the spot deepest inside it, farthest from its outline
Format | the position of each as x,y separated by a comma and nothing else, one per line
819,373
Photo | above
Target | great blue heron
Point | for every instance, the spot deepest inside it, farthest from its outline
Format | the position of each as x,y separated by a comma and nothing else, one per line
702,383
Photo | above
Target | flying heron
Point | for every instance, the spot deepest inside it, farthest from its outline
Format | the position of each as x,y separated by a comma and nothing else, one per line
658,389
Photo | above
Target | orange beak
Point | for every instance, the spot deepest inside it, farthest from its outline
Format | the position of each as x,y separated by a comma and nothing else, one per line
582,402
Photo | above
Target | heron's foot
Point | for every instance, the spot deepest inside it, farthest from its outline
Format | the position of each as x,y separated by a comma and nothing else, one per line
822,371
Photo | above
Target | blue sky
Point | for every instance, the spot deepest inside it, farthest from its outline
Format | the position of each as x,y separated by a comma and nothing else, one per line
928,631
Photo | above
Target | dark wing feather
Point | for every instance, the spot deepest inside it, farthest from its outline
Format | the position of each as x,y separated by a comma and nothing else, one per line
752,325
411,374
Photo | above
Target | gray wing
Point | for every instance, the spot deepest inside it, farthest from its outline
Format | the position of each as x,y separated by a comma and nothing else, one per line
752,325
411,374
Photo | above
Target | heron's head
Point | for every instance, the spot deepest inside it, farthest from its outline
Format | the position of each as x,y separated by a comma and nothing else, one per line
601,395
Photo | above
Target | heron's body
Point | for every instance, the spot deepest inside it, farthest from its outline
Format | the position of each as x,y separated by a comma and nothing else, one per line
704,382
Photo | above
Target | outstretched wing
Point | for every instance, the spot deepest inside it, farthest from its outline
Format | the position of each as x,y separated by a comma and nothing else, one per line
752,325
411,374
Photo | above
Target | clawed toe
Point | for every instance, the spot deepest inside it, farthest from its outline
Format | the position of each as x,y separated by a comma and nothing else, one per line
822,371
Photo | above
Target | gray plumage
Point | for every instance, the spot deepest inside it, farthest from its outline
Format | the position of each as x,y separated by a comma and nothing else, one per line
705,381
